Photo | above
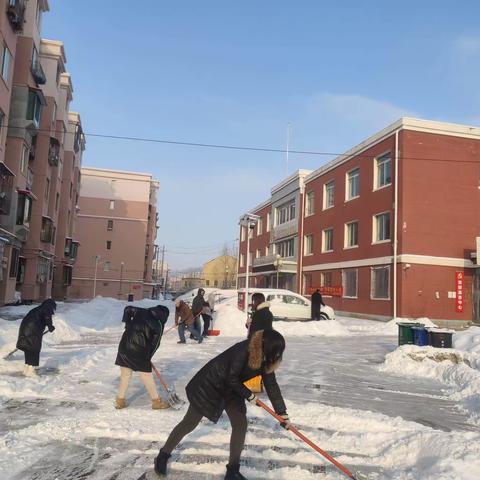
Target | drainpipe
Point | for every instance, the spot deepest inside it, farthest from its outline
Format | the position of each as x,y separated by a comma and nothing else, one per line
247,270
238,258
395,229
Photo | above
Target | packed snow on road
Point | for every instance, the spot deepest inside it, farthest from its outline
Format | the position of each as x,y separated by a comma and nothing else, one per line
405,413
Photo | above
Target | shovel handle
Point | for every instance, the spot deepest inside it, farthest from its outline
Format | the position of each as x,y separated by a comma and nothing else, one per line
162,381
300,435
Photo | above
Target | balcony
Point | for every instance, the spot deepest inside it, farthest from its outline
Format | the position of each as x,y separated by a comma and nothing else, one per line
6,188
38,73
267,264
16,14
284,230
47,231
54,152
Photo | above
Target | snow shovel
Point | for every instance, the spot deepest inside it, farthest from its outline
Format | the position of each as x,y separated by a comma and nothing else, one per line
9,356
345,470
173,399
213,333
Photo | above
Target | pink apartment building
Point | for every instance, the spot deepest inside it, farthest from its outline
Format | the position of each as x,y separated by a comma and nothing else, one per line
116,229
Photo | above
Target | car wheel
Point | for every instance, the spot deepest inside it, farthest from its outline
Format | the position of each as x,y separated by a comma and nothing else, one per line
324,316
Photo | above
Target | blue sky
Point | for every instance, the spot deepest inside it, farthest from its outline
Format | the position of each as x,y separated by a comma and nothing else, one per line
228,72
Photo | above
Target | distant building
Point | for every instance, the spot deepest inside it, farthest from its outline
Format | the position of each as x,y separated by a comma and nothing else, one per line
117,228
220,272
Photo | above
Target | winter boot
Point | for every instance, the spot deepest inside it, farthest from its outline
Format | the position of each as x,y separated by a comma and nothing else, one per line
120,403
233,473
159,404
30,371
25,370
160,464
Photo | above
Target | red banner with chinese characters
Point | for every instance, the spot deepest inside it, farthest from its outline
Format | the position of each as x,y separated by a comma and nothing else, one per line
335,291
459,299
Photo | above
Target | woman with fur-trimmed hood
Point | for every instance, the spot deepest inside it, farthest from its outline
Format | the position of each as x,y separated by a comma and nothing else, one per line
219,386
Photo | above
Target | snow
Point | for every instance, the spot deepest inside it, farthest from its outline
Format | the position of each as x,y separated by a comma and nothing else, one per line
405,413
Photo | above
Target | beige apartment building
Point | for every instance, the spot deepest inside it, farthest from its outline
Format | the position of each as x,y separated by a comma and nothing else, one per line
39,137
116,229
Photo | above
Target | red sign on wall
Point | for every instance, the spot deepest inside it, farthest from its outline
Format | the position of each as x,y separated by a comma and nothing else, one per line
459,301
335,291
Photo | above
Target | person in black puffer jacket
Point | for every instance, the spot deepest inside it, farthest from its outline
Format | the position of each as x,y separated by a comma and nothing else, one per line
219,386
140,340
262,317
31,333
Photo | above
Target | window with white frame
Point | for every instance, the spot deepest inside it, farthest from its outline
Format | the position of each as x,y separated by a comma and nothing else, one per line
380,283
351,234
6,63
285,213
112,203
329,194
353,184
327,240
309,204
266,251
268,221
259,226
326,279
381,227
242,260
308,245
258,253
24,159
250,230
242,233
286,248
350,283
383,171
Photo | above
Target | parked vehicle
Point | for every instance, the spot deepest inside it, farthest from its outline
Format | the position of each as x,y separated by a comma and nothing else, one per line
285,304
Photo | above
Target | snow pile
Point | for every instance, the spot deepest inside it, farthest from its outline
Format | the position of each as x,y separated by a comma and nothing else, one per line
456,369
391,327
468,341
229,319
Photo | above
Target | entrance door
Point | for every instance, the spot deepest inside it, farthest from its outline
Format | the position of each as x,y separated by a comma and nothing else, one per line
476,296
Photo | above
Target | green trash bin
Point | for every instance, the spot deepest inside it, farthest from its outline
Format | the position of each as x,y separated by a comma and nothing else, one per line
405,332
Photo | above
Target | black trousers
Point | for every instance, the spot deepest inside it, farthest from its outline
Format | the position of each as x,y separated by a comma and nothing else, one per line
238,421
32,358
206,324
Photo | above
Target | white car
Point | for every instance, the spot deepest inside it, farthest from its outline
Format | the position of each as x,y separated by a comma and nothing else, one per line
286,305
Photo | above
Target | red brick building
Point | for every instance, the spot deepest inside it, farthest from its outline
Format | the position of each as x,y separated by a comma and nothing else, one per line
390,227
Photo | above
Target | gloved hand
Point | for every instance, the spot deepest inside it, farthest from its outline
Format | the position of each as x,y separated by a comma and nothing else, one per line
252,398
51,328
286,423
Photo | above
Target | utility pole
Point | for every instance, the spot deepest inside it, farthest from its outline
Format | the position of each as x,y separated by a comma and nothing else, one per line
97,259
163,263
122,264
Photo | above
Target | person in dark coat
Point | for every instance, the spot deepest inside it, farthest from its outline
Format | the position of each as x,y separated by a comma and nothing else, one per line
185,320
317,302
262,317
201,307
31,333
140,340
219,386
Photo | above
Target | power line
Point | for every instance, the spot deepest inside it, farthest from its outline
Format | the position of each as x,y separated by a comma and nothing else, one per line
242,147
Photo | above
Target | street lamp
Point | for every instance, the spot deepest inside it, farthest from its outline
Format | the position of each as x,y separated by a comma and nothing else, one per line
278,262
97,260
226,277
249,220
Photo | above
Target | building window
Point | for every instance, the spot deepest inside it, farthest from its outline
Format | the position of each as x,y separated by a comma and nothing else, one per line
207,283
106,267
242,260
14,262
110,225
353,184
57,201
383,171
309,207
43,270
34,108
326,279
266,251
2,120
24,210
380,286
259,226
22,265
112,204
308,244
47,231
258,253
285,213
328,195
351,235
350,283
381,227
6,64
109,244
286,248
47,188
68,247
268,221
327,241
67,276
242,233
250,231
215,283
